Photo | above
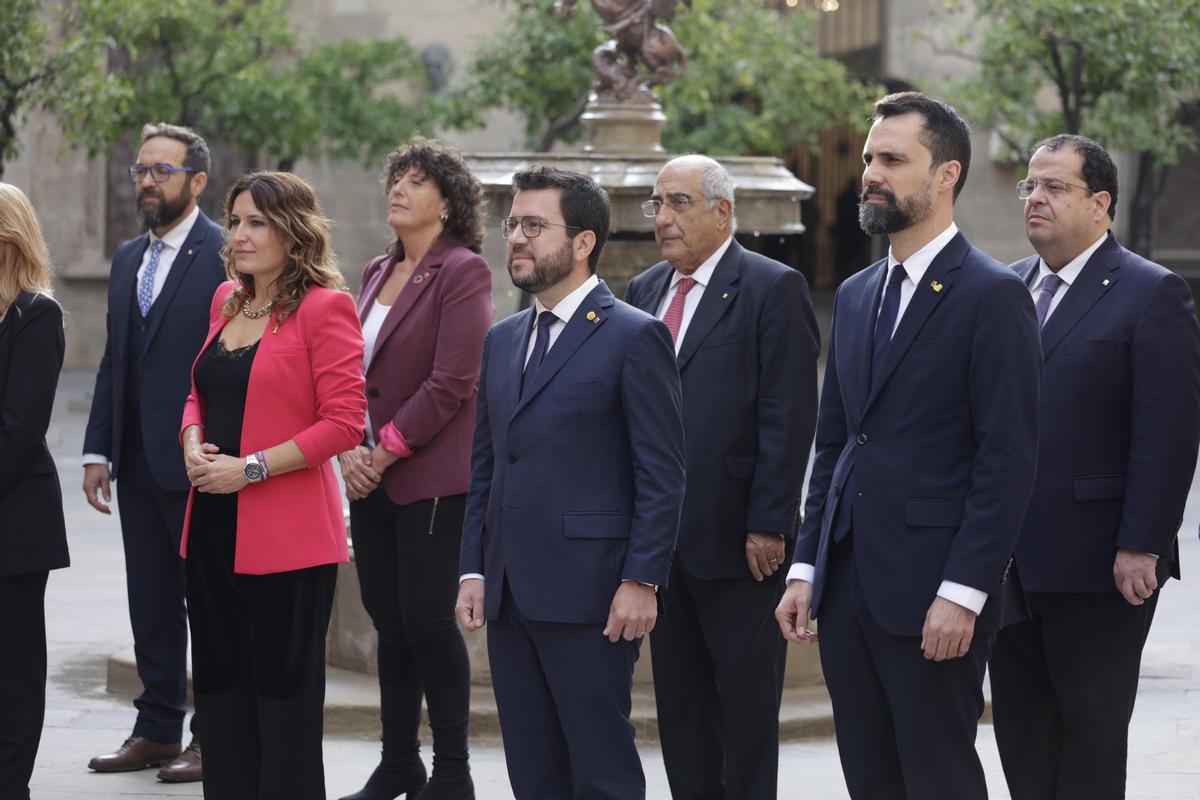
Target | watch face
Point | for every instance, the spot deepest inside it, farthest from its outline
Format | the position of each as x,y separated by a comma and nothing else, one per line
254,472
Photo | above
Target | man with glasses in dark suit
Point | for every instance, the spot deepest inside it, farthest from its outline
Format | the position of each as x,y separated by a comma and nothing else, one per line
159,293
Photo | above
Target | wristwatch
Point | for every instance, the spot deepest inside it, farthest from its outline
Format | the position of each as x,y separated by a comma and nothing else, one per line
256,469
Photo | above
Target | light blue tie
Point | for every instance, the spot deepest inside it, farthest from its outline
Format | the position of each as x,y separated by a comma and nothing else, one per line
146,285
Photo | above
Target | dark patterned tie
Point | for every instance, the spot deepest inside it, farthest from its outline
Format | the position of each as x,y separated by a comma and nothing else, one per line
887,320
540,345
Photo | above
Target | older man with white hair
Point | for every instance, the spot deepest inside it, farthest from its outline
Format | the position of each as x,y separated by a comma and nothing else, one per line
746,341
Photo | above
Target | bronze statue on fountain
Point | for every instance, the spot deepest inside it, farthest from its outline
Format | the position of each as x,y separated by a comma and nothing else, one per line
642,53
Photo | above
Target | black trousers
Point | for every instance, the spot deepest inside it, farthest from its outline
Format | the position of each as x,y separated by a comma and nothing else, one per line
718,664
151,527
258,665
22,679
905,726
1063,687
407,562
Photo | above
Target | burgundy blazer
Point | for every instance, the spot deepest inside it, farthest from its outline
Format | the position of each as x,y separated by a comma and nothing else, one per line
424,373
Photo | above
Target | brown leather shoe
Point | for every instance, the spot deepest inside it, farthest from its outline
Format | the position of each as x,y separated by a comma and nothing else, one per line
135,753
184,769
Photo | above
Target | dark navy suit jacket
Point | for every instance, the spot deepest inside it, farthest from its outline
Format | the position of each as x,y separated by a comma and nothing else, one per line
933,465
179,326
748,364
1120,422
577,485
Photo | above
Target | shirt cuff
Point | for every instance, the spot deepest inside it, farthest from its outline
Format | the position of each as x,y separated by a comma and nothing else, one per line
653,586
801,572
466,576
965,596
393,441
94,458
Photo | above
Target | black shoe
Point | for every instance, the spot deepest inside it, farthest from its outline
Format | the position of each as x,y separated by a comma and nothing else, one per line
388,783
460,787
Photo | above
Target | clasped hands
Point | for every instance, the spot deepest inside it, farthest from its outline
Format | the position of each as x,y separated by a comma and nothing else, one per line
363,468
213,473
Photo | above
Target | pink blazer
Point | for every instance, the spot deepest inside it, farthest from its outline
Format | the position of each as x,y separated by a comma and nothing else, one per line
424,374
306,384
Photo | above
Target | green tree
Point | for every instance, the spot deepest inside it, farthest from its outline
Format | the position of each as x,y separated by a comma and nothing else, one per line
41,59
755,82
1123,72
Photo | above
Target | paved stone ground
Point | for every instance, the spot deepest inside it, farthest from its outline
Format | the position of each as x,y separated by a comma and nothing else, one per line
87,620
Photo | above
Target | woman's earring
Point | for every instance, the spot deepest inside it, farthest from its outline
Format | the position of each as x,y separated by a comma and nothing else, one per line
444,217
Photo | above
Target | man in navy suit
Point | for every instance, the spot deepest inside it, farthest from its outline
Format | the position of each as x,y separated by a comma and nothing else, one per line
925,457
747,342
159,293
1120,424
577,479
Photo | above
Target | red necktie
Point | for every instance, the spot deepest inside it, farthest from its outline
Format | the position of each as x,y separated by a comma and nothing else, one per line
674,316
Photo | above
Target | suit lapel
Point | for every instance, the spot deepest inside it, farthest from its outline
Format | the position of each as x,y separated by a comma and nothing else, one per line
370,290
577,331
935,284
422,277
125,278
866,311
1093,282
656,289
183,260
717,298
516,364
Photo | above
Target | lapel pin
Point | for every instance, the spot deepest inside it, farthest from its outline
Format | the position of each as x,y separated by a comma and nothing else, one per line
418,278
591,315
937,287
189,251
725,296
1105,282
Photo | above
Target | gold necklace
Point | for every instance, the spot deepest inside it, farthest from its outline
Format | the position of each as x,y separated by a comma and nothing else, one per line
262,312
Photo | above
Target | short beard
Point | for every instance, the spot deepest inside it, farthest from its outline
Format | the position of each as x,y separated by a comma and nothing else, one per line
547,270
897,215
167,211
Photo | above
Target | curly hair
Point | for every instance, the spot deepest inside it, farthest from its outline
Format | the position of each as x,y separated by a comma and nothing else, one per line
291,208
461,189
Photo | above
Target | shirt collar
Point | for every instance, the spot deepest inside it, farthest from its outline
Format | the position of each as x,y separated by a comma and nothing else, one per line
704,272
1071,271
178,235
568,305
916,264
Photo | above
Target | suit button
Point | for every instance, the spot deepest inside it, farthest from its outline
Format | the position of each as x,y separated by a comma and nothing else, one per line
862,438
513,458
373,393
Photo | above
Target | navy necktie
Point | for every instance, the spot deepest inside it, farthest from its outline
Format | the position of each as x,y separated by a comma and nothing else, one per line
540,345
887,319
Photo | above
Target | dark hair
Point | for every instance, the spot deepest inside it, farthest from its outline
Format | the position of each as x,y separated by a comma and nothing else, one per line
443,165
945,134
291,208
584,204
197,156
1099,171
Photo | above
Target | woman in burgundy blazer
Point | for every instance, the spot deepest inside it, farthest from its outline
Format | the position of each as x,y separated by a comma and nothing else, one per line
425,307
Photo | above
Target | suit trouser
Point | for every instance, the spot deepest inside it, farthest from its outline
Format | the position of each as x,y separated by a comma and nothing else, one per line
22,679
1063,687
563,695
905,726
718,664
151,528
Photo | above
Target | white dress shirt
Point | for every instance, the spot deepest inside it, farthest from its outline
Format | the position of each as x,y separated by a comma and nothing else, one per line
172,243
915,267
1068,274
702,276
563,312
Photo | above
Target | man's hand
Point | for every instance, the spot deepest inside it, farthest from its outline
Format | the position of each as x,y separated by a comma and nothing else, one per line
792,613
764,554
360,477
96,485
632,614
948,630
221,475
469,607
1134,572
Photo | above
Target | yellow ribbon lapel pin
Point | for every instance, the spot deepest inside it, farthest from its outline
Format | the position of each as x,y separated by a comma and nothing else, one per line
937,287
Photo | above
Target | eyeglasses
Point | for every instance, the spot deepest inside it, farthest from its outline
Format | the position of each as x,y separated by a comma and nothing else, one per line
1053,187
161,173
530,226
677,202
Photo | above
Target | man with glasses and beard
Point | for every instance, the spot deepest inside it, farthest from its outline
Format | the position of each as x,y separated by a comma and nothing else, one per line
159,293
577,480
926,451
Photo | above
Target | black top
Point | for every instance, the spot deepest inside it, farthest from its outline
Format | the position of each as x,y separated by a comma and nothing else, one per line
221,379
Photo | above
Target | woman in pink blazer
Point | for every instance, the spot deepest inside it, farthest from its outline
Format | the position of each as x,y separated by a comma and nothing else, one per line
277,391
425,307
